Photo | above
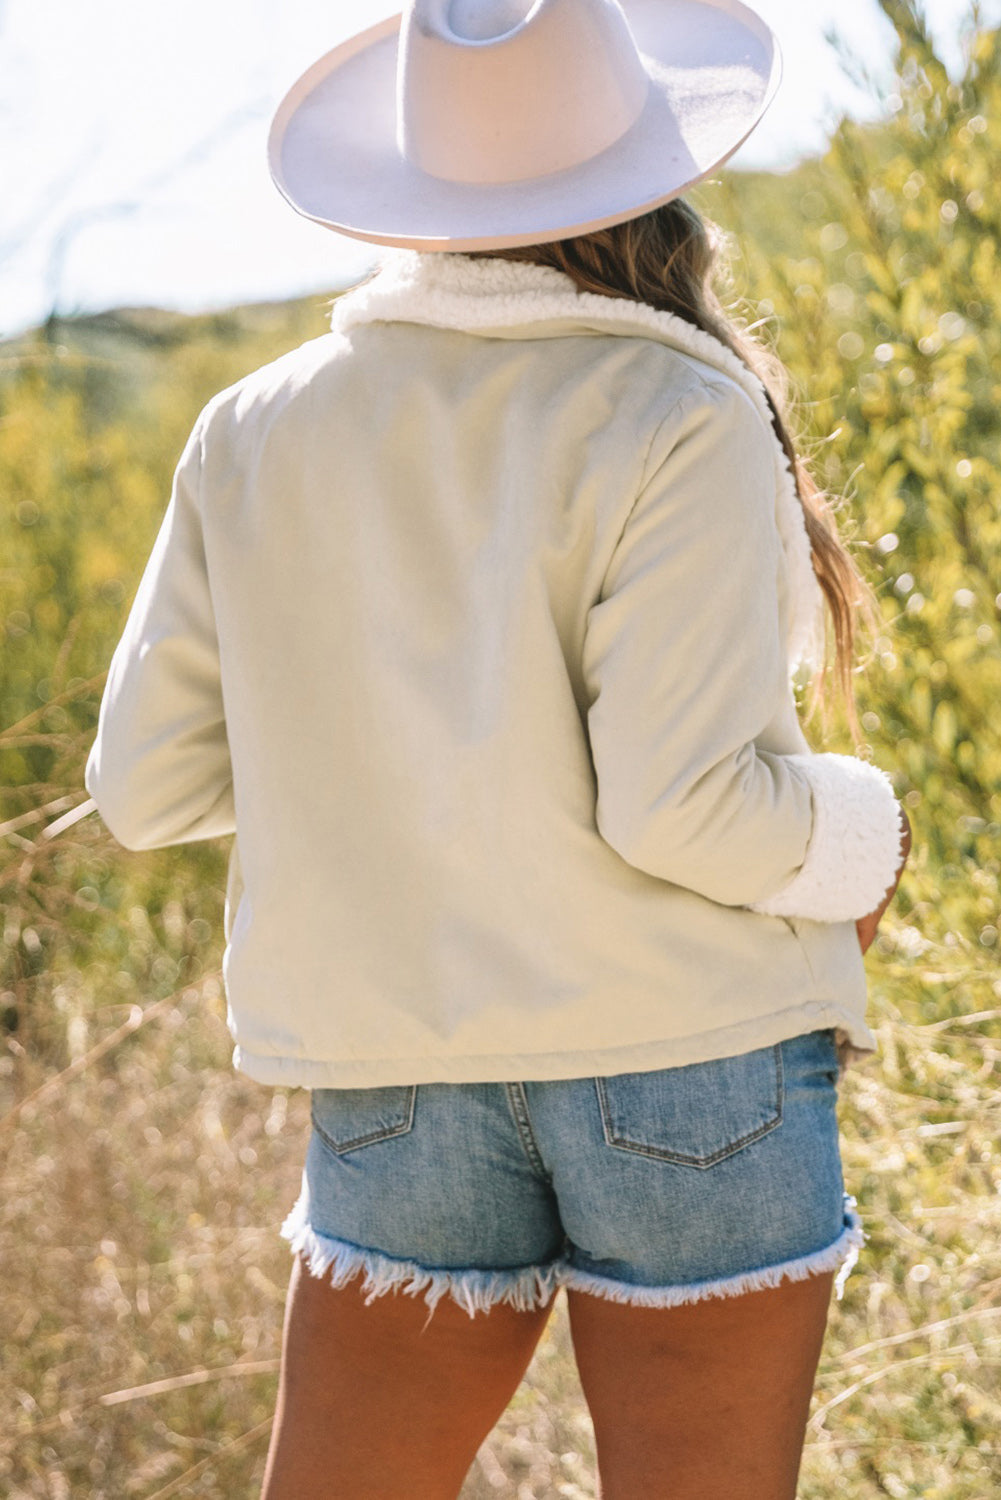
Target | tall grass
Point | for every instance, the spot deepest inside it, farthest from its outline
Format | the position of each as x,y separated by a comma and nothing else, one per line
144,1280
143,1181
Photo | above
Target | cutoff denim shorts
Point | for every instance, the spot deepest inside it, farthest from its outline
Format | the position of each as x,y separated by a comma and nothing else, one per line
655,1189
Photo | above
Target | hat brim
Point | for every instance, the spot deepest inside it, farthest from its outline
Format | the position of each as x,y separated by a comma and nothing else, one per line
714,69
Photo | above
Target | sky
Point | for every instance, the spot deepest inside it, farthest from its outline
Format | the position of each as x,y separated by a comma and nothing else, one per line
134,173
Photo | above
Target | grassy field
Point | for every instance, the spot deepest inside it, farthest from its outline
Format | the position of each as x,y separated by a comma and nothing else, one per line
144,1279
142,1181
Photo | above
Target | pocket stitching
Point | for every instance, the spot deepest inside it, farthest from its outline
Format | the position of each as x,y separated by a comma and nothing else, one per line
374,1136
664,1153
793,926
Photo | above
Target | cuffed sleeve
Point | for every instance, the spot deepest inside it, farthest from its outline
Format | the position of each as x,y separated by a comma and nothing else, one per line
684,662
159,769
855,845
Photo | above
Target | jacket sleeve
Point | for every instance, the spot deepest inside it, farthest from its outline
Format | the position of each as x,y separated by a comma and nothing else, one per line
684,663
159,769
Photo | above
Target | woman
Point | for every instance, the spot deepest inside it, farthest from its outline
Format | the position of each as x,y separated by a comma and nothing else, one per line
475,620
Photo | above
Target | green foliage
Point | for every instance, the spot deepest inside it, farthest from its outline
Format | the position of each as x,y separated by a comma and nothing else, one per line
152,1253
878,269
90,429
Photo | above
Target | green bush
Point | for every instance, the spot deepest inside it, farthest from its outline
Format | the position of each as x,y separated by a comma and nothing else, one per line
143,1185
878,269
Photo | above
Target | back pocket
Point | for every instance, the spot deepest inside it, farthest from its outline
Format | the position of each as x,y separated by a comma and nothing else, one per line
347,1119
696,1115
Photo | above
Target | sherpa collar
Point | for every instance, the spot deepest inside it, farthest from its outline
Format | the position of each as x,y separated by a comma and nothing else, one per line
497,296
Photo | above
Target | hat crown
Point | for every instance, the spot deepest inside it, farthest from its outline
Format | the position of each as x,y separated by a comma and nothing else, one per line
492,91
477,21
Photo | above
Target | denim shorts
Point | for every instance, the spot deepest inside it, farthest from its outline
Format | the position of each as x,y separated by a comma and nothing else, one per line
659,1188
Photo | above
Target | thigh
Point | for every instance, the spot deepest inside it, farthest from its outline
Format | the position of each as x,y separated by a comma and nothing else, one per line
706,1215
432,1237
709,1399
383,1399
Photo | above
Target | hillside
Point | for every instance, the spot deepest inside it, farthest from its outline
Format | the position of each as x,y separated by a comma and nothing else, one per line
143,1181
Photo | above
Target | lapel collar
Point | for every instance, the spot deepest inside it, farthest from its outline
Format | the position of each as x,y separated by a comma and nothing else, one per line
505,298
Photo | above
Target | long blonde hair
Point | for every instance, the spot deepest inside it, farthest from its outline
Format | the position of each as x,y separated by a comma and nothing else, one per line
669,258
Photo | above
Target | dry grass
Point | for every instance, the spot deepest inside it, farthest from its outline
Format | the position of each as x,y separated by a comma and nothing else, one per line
144,1181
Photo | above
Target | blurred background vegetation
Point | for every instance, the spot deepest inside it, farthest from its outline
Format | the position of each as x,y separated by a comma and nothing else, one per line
144,1181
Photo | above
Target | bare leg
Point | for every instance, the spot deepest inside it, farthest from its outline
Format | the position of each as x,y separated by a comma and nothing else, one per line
377,1402
708,1401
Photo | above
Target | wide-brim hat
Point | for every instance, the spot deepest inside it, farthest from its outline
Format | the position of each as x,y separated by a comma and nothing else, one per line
478,124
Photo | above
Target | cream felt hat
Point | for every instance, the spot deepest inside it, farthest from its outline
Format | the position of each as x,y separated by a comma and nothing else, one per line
475,124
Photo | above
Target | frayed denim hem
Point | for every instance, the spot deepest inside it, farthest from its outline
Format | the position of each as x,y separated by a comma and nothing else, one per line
844,1252
475,1291
531,1287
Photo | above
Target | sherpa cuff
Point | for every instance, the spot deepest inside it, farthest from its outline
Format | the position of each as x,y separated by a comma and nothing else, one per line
855,847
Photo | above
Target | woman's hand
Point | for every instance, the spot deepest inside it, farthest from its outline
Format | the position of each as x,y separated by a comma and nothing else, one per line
866,926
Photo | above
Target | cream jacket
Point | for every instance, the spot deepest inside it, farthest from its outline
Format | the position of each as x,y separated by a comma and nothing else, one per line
475,620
